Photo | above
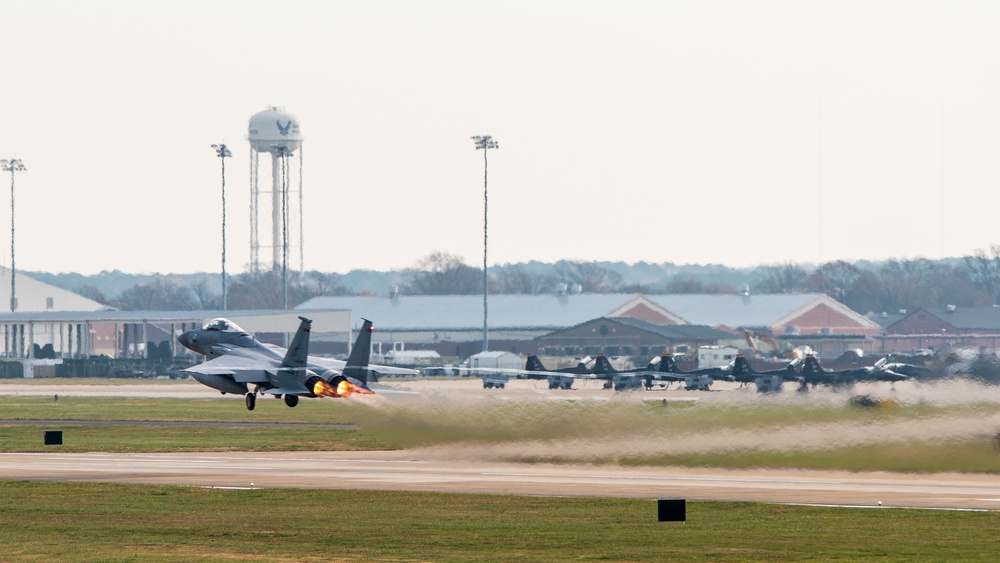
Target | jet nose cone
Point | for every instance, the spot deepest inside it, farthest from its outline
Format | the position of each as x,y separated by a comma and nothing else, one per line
185,339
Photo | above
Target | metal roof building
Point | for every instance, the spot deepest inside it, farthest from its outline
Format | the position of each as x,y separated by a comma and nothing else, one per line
35,296
453,323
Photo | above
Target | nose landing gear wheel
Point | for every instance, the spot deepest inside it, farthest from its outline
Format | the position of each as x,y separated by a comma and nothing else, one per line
291,400
251,401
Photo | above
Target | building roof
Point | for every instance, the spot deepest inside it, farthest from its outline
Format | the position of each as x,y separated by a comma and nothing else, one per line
670,332
965,318
735,310
551,312
36,296
465,312
677,332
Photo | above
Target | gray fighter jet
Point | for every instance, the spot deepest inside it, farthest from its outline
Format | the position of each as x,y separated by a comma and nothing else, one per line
236,360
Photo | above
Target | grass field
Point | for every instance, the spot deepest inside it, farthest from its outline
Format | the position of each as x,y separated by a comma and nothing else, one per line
91,522
746,436
100,522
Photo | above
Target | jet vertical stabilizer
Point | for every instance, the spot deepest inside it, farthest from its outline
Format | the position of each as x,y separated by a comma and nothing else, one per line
602,366
534,364
296,357
357,362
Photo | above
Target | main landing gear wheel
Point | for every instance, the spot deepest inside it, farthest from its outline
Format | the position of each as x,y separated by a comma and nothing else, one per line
291,400
251,401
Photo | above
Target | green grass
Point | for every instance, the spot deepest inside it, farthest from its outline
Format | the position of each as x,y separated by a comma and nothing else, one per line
976,455
407,424
97,522
311,411
158,438
154,438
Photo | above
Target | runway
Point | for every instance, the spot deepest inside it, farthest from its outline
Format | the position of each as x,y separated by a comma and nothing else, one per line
409,470
472,470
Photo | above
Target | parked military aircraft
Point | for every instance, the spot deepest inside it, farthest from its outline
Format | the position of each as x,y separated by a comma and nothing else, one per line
633,378
769,381
694,380
812,373
236,359
534,368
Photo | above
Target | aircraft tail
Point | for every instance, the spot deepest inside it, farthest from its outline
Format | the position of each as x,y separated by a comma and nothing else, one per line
741,366
602,366
534,364
357,362
810,366
297,355
667,364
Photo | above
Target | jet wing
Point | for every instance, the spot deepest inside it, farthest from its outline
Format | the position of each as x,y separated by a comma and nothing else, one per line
241,368
338,365
530,374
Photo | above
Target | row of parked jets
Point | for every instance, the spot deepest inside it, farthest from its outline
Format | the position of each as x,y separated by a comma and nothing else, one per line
805,372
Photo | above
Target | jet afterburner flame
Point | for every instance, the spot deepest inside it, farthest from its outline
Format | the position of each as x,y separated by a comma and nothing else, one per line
344,388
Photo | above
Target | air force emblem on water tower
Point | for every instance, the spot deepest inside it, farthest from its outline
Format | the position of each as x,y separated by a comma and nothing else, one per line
283,129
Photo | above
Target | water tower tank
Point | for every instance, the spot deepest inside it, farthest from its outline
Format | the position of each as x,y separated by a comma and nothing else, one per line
274,127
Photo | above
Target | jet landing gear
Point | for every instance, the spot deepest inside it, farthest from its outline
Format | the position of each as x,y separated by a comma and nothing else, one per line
291,400
251,401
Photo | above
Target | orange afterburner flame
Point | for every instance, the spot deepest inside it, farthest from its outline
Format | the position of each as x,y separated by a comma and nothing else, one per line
344,388
324,389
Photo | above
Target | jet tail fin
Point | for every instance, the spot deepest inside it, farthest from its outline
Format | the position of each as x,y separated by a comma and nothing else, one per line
534,364
297,355
602,366
810,366
741,366
357,362
667,364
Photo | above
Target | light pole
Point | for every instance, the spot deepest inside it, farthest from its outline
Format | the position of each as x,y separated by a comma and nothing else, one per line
223,152
485,142
13,165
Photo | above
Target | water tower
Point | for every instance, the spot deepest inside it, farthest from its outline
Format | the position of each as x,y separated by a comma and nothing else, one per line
276,132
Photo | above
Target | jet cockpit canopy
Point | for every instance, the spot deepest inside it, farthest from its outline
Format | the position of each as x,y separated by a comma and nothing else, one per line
222,325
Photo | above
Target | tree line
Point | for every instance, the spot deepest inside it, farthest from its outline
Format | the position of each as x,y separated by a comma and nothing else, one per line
865,287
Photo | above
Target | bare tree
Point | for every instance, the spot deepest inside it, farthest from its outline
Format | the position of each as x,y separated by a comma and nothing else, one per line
92,292
518,280
206,298
591,277
440,273
324,284
786,278
156,295
984,272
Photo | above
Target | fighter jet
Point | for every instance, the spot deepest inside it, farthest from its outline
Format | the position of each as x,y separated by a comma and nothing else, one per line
769,381
813,373
561,378
236,359
622,380
694,380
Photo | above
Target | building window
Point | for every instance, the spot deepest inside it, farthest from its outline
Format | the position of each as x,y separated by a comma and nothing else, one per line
49,303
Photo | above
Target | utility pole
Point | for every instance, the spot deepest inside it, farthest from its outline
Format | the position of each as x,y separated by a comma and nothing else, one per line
223,152
485,142
13,165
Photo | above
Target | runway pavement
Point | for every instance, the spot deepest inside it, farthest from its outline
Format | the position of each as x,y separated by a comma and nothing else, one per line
409,470
429,470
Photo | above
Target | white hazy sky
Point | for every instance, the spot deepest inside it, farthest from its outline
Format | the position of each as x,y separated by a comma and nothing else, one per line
693,132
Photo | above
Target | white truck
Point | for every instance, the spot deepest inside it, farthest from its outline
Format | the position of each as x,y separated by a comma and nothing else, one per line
494,367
